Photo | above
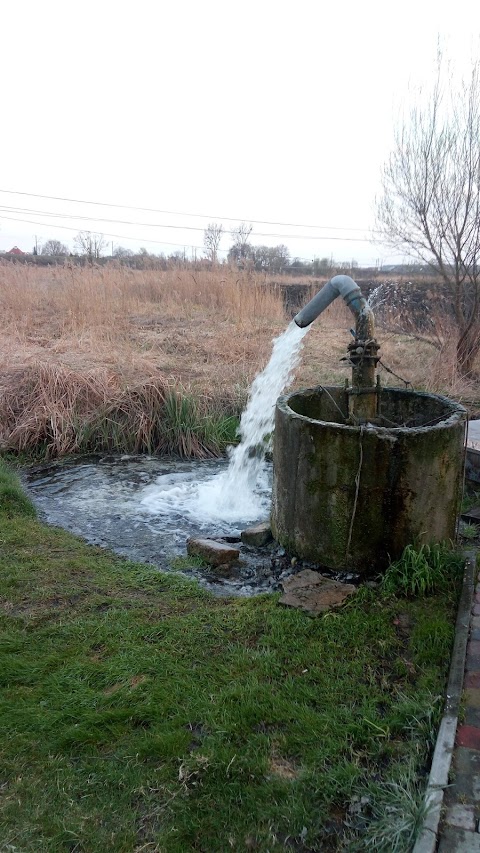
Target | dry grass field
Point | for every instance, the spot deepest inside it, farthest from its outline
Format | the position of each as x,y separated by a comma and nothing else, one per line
94,357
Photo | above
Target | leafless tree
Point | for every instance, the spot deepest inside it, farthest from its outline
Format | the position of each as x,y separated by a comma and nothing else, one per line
240,249
430,206
211,240
90,245
54,247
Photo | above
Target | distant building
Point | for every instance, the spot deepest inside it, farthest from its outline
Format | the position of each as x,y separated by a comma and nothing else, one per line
15,251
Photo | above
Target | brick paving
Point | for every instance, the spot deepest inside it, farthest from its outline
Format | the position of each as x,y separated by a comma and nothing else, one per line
459,831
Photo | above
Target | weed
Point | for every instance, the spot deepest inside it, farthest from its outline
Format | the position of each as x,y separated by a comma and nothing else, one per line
470,531
185,564
422,571
13,500
389,816
470,498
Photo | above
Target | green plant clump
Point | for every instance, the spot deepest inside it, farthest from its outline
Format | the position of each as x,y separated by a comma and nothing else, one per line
423,571
13,500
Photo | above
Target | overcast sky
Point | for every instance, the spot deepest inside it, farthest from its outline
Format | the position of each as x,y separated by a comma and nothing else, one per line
261,111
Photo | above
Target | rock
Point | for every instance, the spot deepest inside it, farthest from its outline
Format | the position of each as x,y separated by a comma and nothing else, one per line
213,552
314,593
258,535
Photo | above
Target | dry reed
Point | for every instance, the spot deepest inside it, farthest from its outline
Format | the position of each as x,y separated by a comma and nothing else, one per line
99,357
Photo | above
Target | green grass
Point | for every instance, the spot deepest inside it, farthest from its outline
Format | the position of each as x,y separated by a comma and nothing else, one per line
13,501
421,571
172,422
138,713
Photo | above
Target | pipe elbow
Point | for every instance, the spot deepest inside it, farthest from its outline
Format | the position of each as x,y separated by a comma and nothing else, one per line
339,285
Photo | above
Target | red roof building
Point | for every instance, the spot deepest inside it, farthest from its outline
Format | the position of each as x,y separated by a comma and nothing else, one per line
15,251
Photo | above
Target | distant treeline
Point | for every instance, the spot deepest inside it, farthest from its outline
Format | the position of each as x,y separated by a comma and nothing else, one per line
260,261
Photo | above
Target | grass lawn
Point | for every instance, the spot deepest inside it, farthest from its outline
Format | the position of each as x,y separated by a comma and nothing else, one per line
139,713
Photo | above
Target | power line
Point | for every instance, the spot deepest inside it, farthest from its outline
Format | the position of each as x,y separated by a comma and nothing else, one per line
135,239
82,218
106,234
138,239
178,213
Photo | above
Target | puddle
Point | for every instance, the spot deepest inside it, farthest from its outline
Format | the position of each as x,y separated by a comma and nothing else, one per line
146,508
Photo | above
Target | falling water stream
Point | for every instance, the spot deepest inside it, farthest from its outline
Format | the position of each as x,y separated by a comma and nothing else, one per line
241,492
145,508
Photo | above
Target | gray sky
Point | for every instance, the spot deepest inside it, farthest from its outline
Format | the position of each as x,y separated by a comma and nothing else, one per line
261,111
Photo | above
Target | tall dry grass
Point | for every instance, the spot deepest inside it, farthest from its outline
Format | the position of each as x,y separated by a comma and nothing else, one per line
95,356
100,357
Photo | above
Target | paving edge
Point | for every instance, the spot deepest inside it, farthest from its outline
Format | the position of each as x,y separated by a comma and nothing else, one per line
442,754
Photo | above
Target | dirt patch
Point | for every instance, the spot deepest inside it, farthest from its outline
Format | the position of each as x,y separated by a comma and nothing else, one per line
282,767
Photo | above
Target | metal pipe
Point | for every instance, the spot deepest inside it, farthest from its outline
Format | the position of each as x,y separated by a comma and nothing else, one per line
362,351
339,285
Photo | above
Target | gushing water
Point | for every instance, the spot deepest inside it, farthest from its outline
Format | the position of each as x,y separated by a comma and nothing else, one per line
240,494
380,294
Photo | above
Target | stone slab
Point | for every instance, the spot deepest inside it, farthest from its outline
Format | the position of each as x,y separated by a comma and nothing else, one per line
459,841
461,816
258,535
314,593
213,552
466,767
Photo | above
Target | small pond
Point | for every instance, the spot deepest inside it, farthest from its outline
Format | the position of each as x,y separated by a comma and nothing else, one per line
145,509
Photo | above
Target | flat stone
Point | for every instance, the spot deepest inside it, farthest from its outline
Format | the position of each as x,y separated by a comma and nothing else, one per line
213,552
466,776
258,535
461,816
314,593
459,841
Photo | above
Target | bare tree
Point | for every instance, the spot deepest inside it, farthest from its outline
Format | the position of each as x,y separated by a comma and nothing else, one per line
240,249
211,240
430,206
54,247
90,245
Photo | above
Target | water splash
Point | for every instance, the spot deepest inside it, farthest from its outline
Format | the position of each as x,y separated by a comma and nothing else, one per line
241,493
380,294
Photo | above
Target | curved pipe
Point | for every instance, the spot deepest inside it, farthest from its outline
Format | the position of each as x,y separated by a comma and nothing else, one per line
339,285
